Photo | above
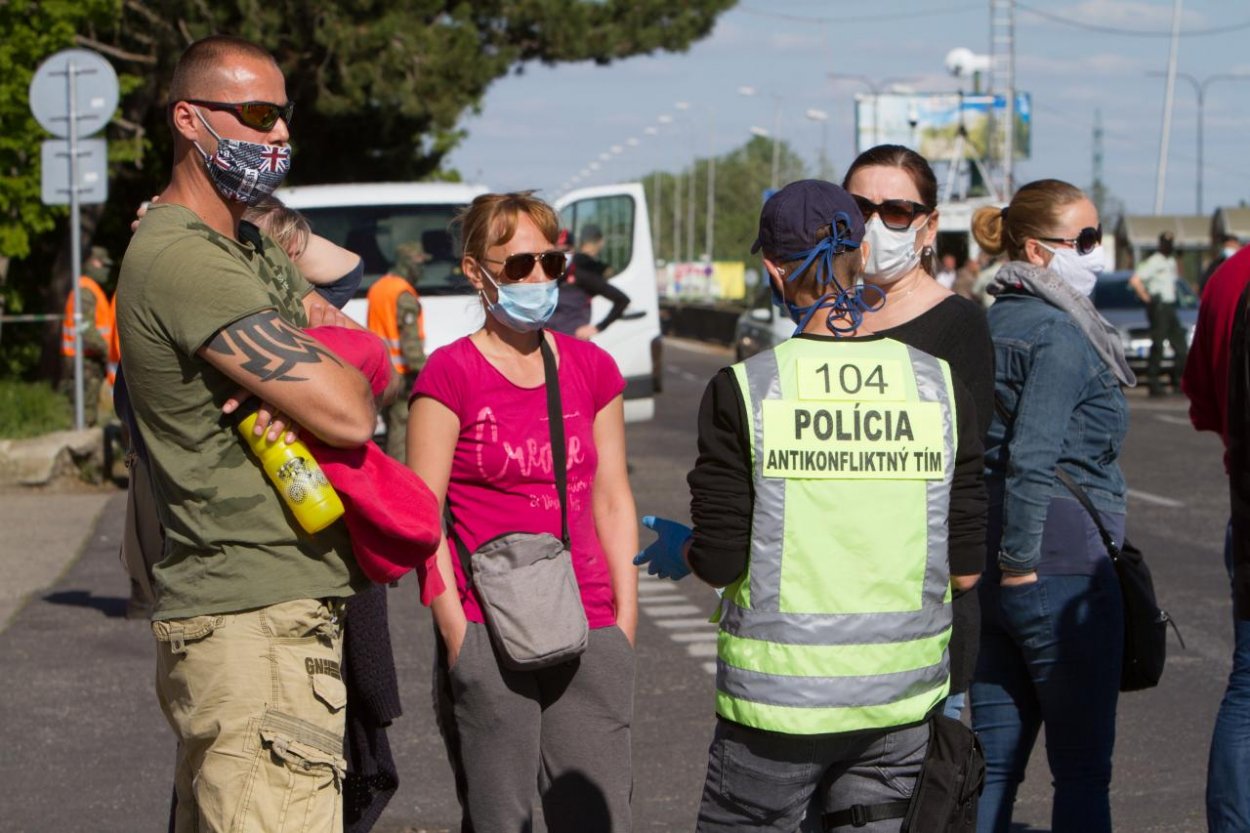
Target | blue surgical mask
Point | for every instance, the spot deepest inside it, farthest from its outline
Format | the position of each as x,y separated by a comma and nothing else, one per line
523,307
246,172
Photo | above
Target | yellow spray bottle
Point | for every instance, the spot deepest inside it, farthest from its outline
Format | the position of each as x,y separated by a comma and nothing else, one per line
295,474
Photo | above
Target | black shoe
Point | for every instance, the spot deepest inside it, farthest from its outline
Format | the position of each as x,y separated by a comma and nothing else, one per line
1156,393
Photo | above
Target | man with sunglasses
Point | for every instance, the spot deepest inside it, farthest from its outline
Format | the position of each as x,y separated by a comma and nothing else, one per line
1154,281
247,611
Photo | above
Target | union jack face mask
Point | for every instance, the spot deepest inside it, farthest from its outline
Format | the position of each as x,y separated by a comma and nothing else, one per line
245,171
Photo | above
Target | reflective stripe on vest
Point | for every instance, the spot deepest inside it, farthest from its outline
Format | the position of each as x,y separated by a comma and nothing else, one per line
383,318
103,315
842,619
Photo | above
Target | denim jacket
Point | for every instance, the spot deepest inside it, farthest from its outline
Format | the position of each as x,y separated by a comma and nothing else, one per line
1066,409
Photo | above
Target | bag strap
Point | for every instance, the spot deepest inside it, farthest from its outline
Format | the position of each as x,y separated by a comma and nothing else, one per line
862,815
1072,486
555,422
559,457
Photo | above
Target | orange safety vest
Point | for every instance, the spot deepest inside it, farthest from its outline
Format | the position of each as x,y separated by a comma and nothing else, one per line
115,343
383,321
103,315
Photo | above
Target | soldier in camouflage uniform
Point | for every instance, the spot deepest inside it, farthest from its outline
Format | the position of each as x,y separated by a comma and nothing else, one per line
395,316
97,329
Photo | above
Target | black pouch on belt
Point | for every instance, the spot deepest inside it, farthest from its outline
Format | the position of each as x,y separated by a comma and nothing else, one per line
947,789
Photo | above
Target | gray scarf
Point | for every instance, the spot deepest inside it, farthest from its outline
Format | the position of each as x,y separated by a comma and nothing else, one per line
1054,290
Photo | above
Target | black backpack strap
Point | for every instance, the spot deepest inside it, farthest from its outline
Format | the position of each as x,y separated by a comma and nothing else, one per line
1113,549
861,815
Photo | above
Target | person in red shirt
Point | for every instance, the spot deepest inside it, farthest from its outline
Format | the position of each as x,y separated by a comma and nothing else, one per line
1206,383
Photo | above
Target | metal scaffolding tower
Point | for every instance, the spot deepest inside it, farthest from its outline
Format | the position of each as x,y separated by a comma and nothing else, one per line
1000,151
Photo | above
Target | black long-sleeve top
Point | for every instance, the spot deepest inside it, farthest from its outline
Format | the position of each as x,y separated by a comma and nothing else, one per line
722,493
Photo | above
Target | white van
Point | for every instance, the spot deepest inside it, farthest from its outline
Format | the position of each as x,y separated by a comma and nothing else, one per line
372,219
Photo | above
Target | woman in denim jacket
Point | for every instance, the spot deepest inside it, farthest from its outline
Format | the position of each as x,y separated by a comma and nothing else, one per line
1052,621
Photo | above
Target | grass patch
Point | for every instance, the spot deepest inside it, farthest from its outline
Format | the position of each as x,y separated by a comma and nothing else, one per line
28,409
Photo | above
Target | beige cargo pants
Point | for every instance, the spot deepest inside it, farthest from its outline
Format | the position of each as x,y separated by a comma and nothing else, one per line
257,702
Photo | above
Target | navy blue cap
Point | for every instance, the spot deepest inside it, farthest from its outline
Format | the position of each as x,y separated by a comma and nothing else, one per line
792,216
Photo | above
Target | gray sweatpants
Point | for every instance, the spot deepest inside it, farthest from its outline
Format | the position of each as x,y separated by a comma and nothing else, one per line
562,731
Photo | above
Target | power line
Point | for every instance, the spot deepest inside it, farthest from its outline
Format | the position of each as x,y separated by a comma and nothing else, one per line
1137,33
862,18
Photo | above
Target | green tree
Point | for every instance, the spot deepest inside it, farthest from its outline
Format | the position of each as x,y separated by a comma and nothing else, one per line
379,86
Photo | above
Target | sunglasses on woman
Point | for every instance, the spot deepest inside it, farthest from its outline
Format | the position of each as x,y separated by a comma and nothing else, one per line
897,215
1089,239
518,267
258,115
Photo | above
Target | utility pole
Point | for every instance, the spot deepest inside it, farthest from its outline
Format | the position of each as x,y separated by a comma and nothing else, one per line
1098,189
1168,97
1002,137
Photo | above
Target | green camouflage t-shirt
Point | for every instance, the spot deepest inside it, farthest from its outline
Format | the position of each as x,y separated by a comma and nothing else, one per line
230,542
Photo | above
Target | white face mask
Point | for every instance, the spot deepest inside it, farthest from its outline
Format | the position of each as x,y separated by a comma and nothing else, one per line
891,254
1080,271
1229,251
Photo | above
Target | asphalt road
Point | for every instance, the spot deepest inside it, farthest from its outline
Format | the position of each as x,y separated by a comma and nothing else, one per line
83,745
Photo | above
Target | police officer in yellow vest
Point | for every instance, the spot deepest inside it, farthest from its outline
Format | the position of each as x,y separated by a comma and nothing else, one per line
838,499
395,316
97,330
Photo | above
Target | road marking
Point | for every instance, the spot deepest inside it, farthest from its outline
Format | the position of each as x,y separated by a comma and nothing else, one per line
670,609
687,375
1157,500
1175,420
674,610
682,624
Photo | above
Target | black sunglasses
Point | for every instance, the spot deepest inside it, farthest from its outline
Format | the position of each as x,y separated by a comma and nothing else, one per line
896,214
519,266
259,115
1085,242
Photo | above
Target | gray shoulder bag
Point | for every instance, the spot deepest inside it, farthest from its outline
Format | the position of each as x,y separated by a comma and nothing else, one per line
524,580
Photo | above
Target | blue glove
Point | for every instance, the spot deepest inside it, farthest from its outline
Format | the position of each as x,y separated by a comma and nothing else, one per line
666,557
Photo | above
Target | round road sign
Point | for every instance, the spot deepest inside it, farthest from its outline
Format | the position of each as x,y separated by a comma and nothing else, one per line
95,88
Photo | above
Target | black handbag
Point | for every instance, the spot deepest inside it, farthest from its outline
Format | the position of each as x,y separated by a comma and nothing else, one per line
1145,623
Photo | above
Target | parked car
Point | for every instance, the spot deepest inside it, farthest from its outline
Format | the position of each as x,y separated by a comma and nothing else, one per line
760,326
1119,304
372,219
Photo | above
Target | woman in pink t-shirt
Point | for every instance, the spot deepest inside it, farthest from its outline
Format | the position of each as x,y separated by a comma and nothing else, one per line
479,436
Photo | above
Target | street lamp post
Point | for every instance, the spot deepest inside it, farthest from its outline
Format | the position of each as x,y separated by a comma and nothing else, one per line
776,133
1200,92
823,118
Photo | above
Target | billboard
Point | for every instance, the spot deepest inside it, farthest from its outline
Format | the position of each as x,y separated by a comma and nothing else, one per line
929,122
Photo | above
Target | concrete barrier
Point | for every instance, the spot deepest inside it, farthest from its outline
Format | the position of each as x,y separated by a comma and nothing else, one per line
710,322
38,460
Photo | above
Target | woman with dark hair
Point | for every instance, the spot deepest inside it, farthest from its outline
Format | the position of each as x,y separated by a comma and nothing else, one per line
897,193
1052,631
481,438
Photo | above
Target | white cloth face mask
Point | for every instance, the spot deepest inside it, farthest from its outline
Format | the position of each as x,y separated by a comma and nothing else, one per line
1080,271
891,254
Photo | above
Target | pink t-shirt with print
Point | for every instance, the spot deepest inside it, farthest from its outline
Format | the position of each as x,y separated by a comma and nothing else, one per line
501,474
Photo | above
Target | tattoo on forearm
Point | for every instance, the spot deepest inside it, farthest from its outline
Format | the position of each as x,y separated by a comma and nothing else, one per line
272,349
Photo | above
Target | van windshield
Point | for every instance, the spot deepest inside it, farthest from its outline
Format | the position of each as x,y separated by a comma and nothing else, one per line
375,231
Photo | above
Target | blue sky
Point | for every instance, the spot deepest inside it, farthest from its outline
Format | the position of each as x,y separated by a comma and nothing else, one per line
538,128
